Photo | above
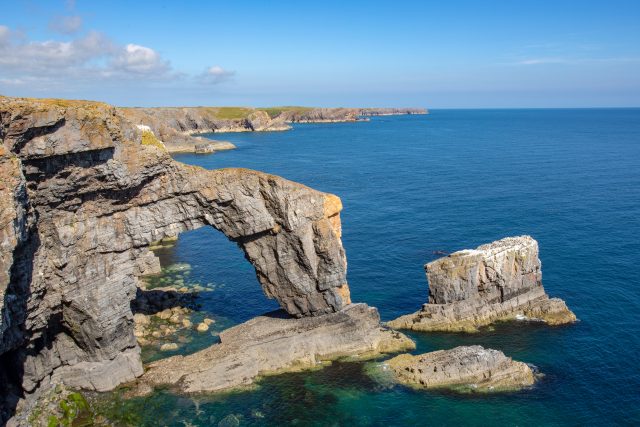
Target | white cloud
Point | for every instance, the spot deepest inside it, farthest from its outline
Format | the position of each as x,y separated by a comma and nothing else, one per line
140,60
216,74
90,57
66,24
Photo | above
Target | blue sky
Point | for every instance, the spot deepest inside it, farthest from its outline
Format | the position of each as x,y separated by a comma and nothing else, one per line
436,54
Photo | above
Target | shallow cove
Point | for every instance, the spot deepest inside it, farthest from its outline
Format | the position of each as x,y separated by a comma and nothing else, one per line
412,185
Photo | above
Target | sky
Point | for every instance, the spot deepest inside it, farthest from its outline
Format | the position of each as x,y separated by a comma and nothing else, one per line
433,54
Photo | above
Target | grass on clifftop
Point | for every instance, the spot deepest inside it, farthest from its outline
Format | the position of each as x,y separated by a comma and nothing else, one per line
233,113
274,112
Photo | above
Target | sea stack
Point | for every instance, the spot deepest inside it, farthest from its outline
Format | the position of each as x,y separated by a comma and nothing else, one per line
466,369
476,287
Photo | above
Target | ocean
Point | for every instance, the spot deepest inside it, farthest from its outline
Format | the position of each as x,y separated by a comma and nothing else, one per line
415,185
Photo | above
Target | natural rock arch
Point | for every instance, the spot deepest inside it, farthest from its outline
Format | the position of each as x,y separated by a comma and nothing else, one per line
82,201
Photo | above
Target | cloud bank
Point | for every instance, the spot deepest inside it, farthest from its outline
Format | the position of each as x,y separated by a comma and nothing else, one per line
86,59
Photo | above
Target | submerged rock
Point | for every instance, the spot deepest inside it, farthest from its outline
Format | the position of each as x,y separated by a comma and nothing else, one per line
476,287
275,343
472,368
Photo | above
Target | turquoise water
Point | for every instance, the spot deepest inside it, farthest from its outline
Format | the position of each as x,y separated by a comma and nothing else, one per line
454,179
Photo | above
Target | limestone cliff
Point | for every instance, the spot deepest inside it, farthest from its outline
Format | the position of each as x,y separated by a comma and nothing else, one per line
475,287
81,199
177,127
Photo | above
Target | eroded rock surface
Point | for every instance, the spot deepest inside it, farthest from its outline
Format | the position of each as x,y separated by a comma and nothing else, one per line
475,287
471,368
276,343
81,199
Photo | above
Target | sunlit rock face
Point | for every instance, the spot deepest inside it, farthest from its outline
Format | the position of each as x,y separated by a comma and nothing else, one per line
501,280
81,199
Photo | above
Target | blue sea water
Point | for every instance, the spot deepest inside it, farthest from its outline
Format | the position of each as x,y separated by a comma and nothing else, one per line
454,179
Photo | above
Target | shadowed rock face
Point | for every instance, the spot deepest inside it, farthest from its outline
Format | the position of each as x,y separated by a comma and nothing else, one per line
80,201
475,287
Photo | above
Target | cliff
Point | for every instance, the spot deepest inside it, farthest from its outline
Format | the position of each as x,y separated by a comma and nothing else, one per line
476,287
176,127
82,196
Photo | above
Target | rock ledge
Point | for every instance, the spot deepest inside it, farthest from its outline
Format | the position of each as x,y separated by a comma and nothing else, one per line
272,344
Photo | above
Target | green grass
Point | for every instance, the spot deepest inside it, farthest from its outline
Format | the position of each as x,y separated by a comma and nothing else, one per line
274,112
233,113
148,138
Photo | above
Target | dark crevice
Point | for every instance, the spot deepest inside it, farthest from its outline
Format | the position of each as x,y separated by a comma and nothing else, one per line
15,309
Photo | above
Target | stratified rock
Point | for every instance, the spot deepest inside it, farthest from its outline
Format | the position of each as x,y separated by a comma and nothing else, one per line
81,199
471,368
476,287
177,127
276,343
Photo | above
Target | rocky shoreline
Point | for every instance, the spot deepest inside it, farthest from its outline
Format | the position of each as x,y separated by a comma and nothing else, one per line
276,343
177,128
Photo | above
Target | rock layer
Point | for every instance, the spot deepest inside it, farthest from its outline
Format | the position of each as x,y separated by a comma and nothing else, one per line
471,368
275,343
472,288
82,199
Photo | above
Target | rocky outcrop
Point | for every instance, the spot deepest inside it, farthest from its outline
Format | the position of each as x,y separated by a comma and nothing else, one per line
276,343
464,369
82,199
472,288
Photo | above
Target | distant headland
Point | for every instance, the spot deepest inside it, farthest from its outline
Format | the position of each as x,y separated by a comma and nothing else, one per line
177,127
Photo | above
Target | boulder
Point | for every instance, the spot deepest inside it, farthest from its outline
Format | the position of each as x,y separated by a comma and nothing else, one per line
471,368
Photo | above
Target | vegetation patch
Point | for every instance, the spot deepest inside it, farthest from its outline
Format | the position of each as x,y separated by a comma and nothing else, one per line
274,112
233,113
148,138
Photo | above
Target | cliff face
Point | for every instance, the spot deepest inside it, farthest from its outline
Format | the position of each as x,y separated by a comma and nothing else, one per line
176,127
81,199
475,287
